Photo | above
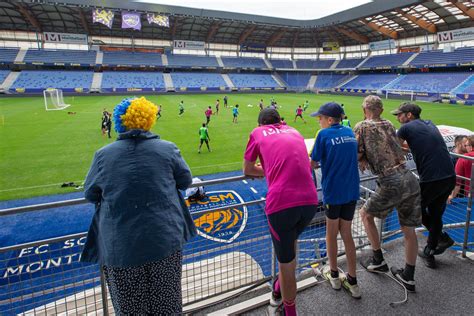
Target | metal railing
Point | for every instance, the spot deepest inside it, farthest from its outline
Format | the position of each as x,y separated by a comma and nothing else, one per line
46,277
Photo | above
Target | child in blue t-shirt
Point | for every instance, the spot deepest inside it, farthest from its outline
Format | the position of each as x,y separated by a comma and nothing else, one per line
235,112
335,152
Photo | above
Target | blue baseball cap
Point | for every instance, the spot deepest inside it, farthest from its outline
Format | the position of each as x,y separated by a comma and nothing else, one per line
331,109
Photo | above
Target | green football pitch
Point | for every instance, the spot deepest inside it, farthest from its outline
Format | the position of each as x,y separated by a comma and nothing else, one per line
40,150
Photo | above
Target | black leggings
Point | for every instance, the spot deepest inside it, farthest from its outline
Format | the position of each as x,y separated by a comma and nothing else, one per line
433,203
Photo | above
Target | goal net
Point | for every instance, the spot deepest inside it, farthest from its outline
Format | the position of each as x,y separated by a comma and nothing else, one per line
400,94
53,100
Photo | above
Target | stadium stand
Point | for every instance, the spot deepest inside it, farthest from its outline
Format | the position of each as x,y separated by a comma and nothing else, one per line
370,81
132,58
197,80
391,60
466,87
282,63
253,81
8,55
38,80
192,61
314,64
3,75
327,81
296,79
241,62
60,56
430,82
130,79
460,55
349,63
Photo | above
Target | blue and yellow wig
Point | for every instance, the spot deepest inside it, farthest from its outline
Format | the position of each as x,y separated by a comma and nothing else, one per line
134,113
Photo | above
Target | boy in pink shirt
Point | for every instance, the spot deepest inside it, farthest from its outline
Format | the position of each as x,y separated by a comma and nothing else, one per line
291,199
208,114
299,113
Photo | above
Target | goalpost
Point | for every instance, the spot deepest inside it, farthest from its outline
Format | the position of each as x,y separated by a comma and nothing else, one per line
53,100
400,94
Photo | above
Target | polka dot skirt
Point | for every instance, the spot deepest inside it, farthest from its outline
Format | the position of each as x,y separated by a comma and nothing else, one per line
152,288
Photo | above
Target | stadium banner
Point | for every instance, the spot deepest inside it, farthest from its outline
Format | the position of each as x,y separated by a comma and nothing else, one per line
65,38
195,45
253,48
465,34
330,47
381,45
131,20
416,49
161,20
103,16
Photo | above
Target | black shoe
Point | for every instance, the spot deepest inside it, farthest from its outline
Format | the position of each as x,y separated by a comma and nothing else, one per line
427,254
372,265
444,243
398,274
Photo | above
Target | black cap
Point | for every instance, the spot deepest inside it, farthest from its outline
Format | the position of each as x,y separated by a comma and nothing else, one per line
407,107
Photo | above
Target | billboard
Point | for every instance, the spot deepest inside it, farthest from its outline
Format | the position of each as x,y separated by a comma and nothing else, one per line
253,48
195,45
381,45
330,47
65,38
456,35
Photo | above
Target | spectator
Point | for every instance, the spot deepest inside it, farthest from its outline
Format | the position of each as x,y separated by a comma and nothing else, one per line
459,147
380,152
464,169
291,199
141,221
338,161
437,176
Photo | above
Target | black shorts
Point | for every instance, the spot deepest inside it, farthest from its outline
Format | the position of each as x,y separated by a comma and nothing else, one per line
204,140
235,115
285,227
343,211
299,115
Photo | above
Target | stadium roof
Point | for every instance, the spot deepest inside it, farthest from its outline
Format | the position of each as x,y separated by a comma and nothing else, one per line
373,21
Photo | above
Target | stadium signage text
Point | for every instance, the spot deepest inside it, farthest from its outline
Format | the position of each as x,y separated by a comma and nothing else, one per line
381,45
456,35
253,48
223,225
65,38
194,45
330,47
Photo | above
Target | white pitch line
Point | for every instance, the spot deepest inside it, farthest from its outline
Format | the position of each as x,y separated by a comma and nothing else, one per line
37,186
253,190
217,165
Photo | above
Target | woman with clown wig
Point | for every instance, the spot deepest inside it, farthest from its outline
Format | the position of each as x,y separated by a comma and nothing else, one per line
141,221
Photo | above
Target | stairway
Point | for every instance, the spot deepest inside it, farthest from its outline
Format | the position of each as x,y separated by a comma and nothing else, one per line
20,56
9,80
410,59
268,63
312,82
99,58
334,64
164,59
219,61
227,80
346,81
279,80
168,80
96,82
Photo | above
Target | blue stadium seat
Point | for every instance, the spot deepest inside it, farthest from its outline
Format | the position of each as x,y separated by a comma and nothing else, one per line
328,81
314,64
429,82
243,62
296,79
349,63
197,80
8,55
370,81
132,79
3,75
460,55
132,58
281,63
467,87
192,61
392,60
60,56
253,80
43,79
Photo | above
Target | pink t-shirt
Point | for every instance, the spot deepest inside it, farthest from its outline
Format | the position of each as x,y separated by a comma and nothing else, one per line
284,158
299,111
208,113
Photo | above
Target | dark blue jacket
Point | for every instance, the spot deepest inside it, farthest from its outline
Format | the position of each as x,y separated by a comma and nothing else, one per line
140,215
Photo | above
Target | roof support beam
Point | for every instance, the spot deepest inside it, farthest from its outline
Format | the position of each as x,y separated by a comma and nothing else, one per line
381,29
430,27
295,38
28,15
246,33
461,6
212,31
275,37
83,19
174,27
354,35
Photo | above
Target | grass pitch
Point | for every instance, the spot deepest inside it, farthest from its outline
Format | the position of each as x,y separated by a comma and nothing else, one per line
39,150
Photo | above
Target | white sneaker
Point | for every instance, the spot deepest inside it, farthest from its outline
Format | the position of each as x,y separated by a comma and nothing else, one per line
335,282
354,290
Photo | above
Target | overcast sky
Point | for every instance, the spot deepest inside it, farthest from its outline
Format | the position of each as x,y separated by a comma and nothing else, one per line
291,9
